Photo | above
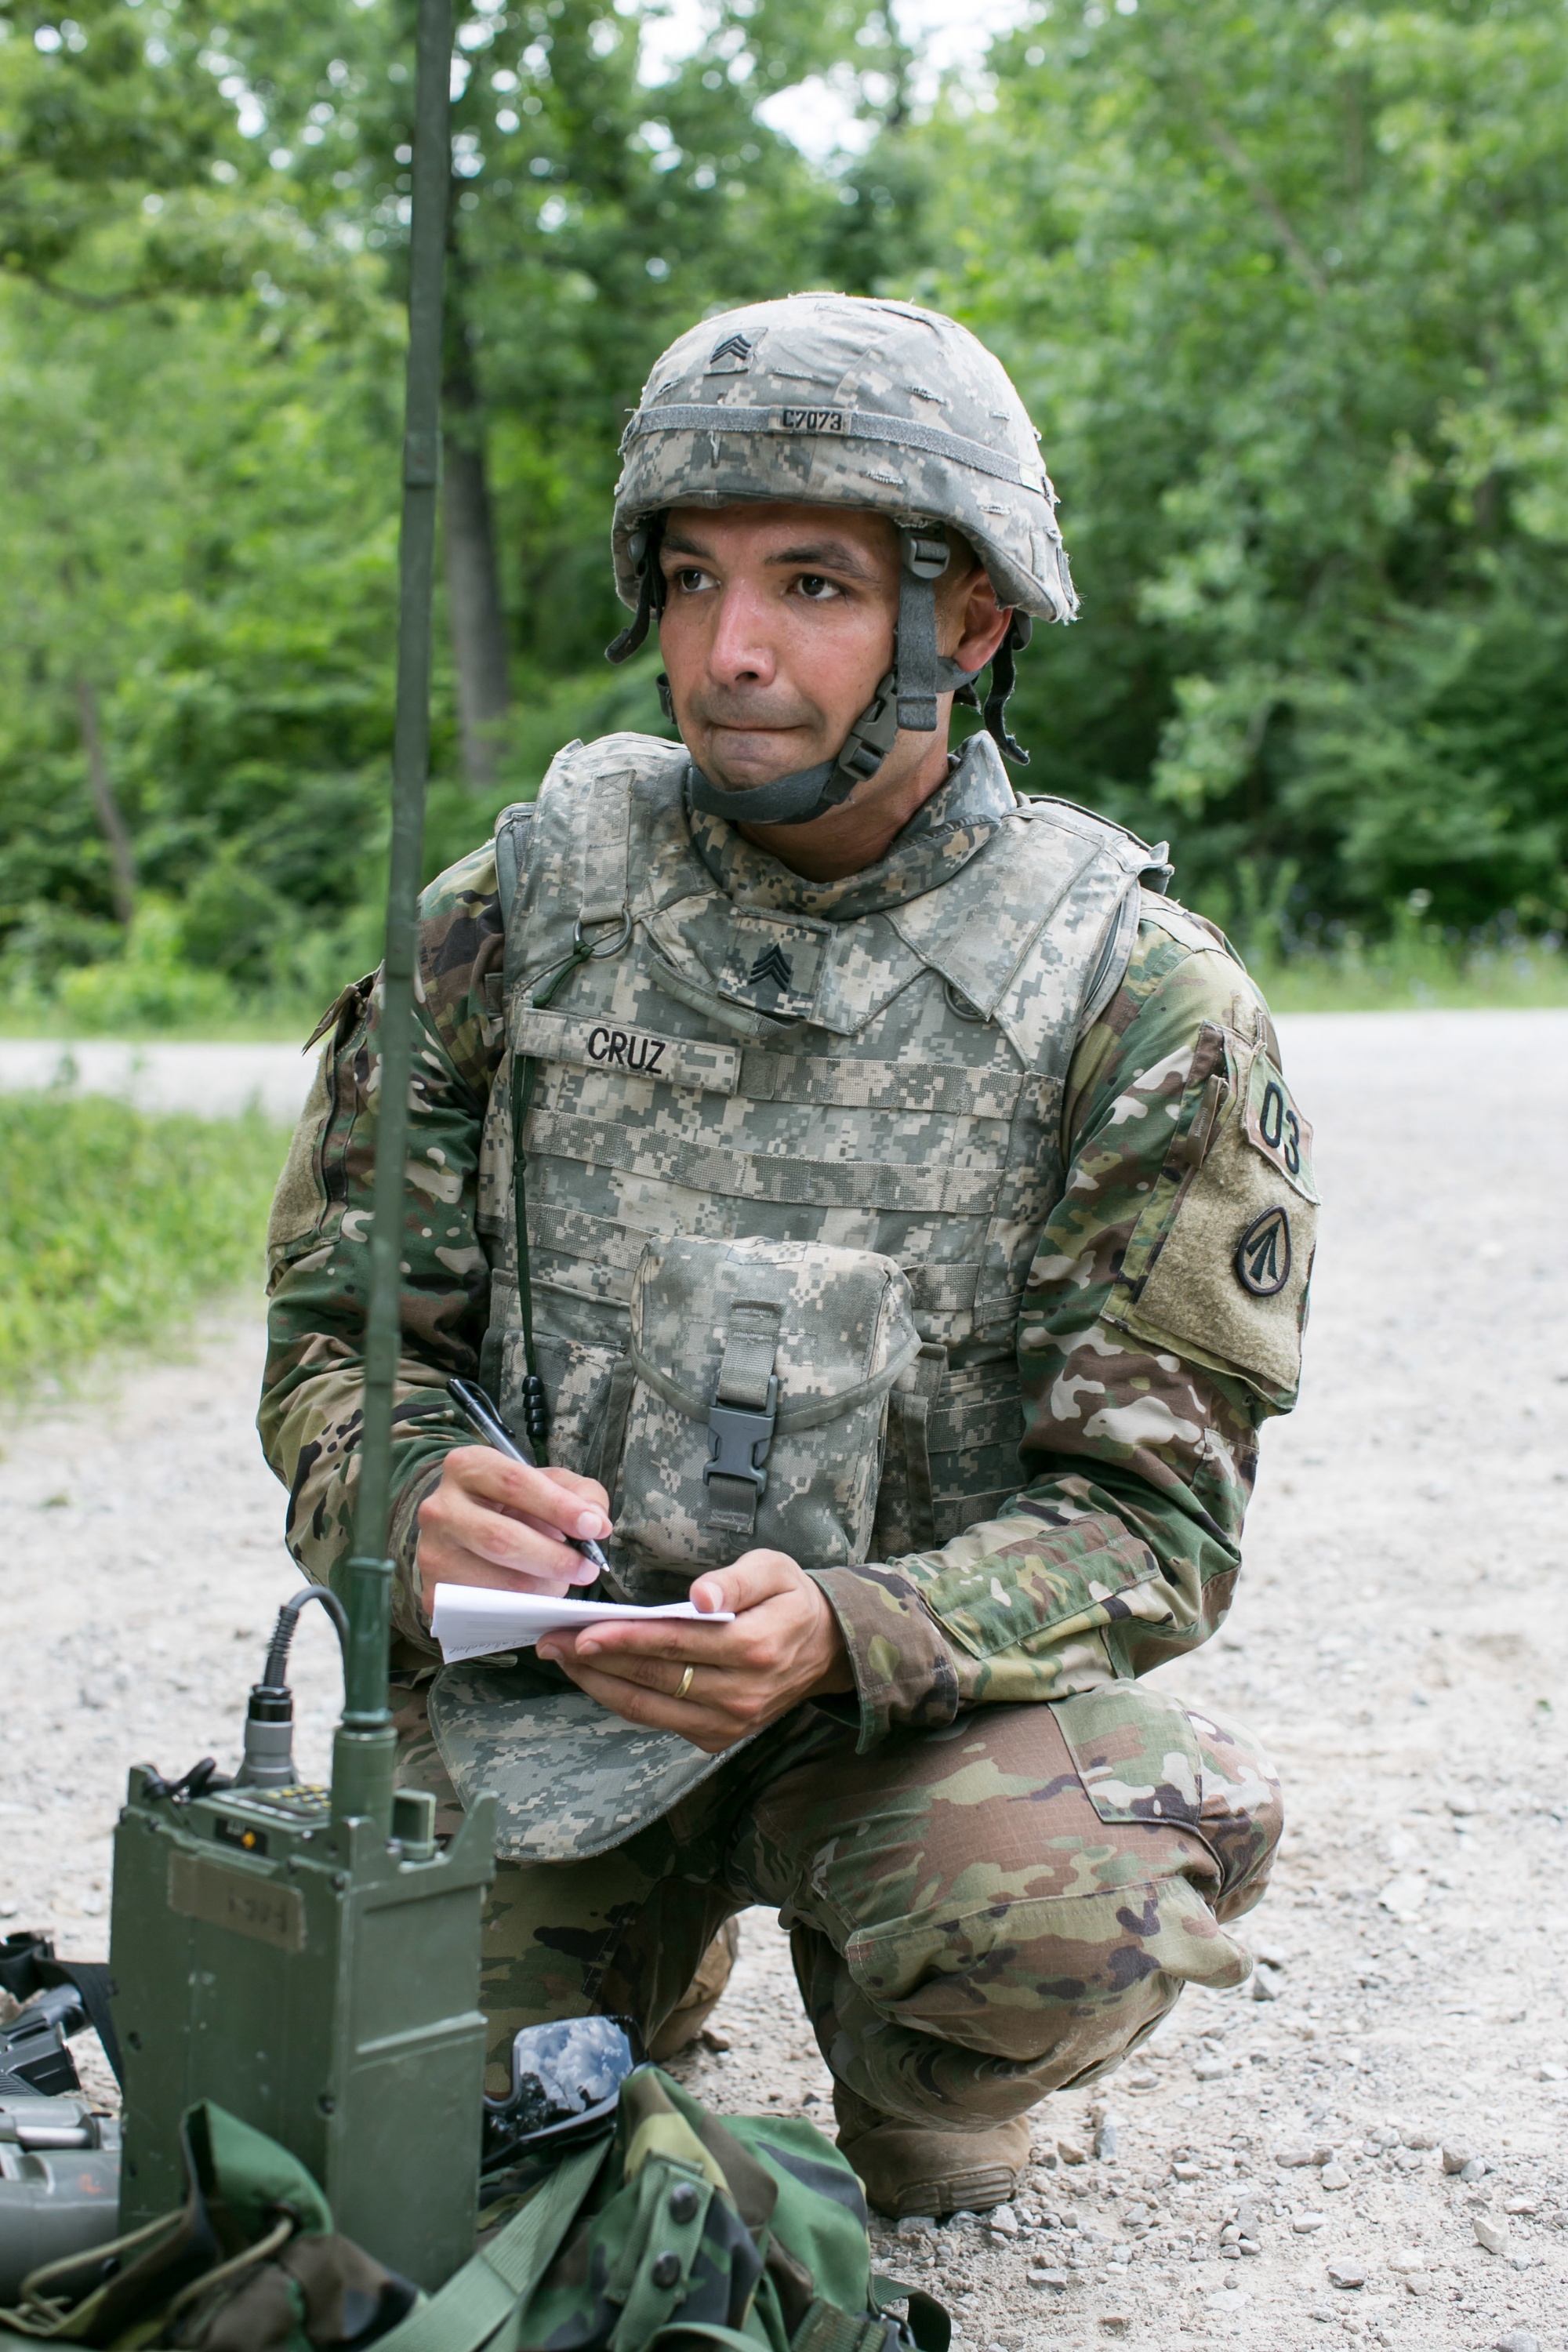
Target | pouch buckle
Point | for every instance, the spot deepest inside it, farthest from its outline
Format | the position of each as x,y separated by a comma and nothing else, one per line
739,1440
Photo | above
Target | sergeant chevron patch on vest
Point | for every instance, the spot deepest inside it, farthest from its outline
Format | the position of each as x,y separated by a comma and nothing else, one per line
772,963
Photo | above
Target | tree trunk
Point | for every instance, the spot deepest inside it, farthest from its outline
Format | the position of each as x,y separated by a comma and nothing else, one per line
473,583
122,856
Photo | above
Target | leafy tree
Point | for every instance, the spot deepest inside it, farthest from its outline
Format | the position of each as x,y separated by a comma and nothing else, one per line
197,521
232,426
1286,287
1284,284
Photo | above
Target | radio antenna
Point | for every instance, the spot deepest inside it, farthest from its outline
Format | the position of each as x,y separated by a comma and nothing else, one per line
365,1748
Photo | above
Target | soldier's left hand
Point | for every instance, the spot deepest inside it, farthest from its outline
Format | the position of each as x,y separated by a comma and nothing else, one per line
782,1646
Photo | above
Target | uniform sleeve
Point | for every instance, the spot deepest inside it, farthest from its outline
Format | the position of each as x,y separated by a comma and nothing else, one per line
1160,1326
318,1254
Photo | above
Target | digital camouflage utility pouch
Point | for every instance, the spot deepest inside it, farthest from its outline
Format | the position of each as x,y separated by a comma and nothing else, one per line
749,1410
756,1401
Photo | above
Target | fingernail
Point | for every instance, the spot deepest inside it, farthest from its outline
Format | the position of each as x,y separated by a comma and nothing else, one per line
593,1523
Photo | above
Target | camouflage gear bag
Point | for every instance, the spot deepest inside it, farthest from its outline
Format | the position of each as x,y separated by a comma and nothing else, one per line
250,2263
749,2233
757,1381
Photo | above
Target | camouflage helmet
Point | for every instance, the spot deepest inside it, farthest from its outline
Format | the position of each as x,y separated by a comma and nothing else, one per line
840,400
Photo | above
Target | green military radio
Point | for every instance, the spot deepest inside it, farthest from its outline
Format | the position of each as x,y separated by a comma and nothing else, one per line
308,1958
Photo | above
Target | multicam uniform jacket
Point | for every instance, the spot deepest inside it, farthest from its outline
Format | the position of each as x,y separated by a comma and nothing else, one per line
1145,1314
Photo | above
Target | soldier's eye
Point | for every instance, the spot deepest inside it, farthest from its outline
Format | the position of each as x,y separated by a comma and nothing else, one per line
690,580
817,590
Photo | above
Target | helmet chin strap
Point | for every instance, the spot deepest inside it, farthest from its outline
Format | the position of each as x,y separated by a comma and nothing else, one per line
905,698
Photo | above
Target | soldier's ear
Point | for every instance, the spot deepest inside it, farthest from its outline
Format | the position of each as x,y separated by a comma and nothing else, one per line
979,623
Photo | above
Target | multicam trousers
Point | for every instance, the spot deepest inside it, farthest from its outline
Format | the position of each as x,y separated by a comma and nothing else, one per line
978,1916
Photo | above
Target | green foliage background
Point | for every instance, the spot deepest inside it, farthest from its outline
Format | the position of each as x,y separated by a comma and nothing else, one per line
1283,283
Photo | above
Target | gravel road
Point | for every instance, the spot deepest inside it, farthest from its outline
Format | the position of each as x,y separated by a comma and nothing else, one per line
1367,2141
216,1080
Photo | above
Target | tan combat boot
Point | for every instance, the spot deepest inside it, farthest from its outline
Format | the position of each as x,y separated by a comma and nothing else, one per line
921,2168
701,1997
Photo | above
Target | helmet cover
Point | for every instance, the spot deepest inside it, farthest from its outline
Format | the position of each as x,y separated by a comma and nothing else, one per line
849,401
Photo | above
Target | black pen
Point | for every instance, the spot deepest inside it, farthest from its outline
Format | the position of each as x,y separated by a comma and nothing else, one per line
481,1416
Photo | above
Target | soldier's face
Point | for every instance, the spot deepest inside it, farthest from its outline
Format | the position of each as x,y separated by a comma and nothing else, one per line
778,626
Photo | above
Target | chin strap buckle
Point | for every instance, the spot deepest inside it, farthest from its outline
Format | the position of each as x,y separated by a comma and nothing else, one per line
925,550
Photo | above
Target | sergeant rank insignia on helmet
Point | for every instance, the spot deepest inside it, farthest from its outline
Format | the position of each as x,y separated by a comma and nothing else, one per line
1263,1255
731,357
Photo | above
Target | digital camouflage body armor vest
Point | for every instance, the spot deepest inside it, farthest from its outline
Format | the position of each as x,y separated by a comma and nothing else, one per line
775,1166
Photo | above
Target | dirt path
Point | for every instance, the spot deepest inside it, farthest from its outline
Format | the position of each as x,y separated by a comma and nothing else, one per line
1400,1640
217,1080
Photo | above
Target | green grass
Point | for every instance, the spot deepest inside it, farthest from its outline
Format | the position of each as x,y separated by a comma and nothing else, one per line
115,1226
1405,976
263,1024
1388,977
1415,969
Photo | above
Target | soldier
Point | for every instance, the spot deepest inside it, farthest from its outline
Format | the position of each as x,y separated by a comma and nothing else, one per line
886,1207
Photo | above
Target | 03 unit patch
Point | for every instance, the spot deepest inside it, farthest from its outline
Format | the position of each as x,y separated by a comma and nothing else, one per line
1274,1126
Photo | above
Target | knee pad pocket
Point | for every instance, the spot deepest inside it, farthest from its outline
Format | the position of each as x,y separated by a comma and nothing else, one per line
1135,1752
1143,1756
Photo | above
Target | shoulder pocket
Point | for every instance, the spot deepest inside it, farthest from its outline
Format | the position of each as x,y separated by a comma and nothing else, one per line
513,833
1219,1264
304,1195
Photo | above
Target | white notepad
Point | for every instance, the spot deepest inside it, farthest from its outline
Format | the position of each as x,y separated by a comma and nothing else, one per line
475,1621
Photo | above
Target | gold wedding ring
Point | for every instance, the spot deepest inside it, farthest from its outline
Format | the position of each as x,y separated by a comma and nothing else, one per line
684,1684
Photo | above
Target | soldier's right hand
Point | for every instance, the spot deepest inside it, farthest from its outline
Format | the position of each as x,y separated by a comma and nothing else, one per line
495,1522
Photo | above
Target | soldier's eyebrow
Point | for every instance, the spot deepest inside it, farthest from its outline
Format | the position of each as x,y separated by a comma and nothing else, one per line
675,542
820,555
829,555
